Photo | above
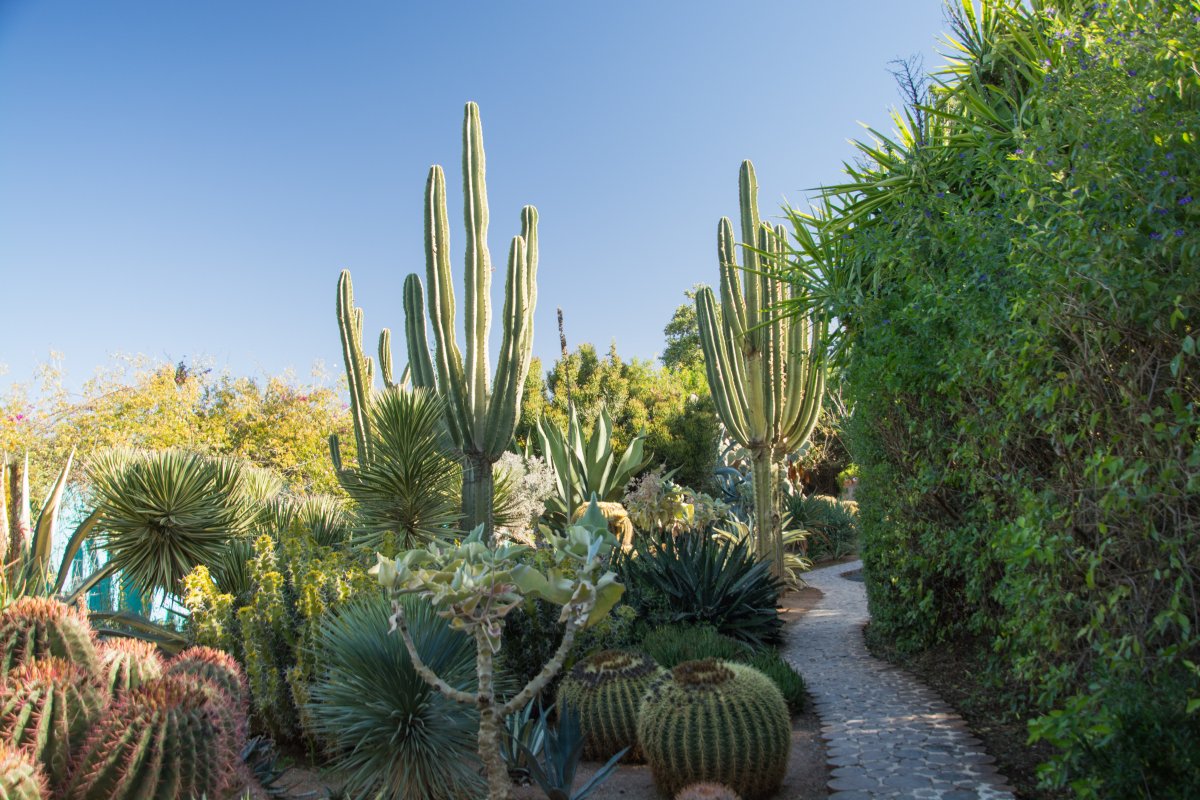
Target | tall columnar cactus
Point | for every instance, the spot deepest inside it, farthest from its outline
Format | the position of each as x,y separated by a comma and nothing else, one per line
21,777
715,721
163,740
47,706
766,372
481,416
606,690
38,627
125,664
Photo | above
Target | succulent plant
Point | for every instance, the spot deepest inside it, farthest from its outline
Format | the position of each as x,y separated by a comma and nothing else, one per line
38,627
125,664
707,791
715,721
606,690
163,740
47,706
216,667
21,776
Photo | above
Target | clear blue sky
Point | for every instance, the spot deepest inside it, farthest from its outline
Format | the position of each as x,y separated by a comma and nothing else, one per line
187,178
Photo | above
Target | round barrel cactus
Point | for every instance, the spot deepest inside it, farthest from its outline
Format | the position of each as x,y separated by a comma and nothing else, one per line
46,707
707,791
38,627
215,666
125,664
606,691
21,776
165,740
719,722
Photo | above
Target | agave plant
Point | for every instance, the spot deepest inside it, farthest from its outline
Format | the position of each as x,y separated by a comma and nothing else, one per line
163,513
585,470
407,493
393,734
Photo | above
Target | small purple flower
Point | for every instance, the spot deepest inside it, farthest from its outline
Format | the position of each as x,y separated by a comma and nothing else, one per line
1164,173
1018,152
1179,231
1132,73
941,194
1183,201
1156,236
1050,163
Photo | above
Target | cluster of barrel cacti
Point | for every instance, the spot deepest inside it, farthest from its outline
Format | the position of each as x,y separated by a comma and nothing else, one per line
83,719
708,728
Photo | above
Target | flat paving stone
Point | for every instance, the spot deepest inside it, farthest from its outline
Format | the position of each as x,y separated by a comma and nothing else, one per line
888,735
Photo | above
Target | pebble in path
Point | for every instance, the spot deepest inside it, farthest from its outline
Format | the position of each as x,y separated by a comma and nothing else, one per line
887,735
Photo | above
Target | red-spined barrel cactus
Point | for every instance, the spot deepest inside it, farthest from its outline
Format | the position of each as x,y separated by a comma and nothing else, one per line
215,666
21,776
38,627
716,721
47,706
164,740
125,664
606,691
707,791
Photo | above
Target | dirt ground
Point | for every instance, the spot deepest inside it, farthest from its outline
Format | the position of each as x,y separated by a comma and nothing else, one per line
805,779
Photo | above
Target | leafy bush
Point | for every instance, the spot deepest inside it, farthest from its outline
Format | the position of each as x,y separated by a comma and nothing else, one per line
695,578
671,645
832,525
1018,299
782,674
394,735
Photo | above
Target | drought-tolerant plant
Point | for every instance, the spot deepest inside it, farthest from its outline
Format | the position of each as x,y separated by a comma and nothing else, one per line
791,684
554,768
216,667
390,732
475,586
794,538
21,776
38,627
832,525
605,690
125,664
716,721
707,791
659,505
671,645
766,372
695,578
524,736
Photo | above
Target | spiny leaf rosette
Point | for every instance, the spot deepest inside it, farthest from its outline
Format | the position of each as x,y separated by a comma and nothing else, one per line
38,627
125,664
21,776
707,791
606,691
165,740
715,721
47,706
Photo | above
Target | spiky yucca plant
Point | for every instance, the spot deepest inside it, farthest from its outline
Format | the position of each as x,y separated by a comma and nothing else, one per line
47,705
38,627
125,664
21,777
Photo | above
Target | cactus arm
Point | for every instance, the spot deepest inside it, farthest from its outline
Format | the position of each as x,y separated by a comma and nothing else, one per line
385,358
720,366
733,306
502,412
416,335
350,327
478,273
335,452
451,381
748,196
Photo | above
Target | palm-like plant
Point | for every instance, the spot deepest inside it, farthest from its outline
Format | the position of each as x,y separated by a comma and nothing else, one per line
163,513
407,492
394,735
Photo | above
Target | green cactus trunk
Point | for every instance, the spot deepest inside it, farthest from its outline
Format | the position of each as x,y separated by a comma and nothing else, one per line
766,372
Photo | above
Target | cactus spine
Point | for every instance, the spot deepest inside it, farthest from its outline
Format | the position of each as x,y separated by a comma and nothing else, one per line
38,627
481,417
21,777
215,666
47,706
125,664
715,721
163,740
766,372
606,691
707,791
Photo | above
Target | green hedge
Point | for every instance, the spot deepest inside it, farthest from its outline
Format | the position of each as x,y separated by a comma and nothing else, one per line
1018,288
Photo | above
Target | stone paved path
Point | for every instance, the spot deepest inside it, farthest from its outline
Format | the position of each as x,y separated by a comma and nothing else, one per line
887,735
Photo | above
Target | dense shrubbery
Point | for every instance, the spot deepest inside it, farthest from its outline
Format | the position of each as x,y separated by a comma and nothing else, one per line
832,525
1017,287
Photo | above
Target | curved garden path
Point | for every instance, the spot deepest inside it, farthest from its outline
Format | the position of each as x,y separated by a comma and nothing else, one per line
887,735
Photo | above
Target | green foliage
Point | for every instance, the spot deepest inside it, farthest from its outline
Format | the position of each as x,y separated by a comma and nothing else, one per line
165,739
658,505
125,664
605,690
394,735
21,777
47,706
1013,276
791,685
832,525
36,627
695,578
671,645
408,492
554,769
716,721
682,335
